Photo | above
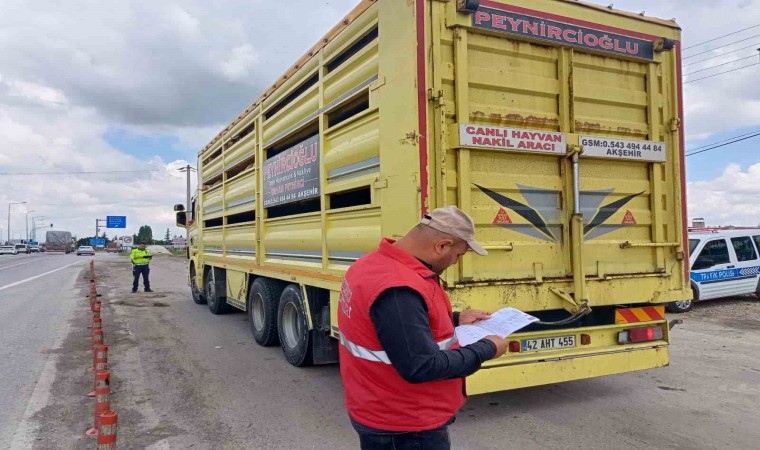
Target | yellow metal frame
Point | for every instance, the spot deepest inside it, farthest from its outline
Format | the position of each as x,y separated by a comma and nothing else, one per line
379,148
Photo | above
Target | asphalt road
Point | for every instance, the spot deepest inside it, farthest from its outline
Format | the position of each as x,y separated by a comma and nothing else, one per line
36,299
185,379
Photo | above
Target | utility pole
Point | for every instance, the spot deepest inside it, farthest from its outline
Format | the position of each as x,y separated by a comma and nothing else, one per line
98,226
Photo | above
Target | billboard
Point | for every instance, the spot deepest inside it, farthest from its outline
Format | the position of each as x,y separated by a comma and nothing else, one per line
116,221
292,175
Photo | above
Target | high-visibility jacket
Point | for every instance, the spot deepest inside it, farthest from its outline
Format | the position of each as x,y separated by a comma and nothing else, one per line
376,395
139,257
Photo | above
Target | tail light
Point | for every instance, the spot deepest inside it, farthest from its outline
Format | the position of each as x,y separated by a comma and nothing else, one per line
585,339
515,347
635,335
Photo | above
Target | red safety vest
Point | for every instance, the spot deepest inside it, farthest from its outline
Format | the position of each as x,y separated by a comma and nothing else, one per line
376,395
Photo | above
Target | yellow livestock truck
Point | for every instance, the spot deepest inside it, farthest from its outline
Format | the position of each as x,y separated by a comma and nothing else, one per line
556,124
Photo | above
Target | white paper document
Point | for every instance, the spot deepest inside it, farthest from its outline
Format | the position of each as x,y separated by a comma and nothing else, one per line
502,323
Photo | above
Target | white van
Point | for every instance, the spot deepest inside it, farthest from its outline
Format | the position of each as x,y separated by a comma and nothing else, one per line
723,263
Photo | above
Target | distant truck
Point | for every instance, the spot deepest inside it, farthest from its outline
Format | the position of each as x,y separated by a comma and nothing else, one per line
58,241
113,247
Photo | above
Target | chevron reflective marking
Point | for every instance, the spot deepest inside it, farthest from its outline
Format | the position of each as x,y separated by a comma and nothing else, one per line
749,271
643,314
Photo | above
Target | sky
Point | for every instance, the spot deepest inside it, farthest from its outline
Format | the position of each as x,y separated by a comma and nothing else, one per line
102,102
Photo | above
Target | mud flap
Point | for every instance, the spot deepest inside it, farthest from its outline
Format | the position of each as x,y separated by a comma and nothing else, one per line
324,347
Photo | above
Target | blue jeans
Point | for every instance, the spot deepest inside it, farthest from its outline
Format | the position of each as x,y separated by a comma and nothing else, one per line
372,439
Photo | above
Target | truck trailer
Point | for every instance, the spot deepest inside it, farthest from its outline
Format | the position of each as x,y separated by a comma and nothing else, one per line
556,124
58,241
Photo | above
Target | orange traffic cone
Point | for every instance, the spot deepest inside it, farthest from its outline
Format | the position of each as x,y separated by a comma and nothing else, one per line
102,379
97,324
95,313
102,404
101,357
107,432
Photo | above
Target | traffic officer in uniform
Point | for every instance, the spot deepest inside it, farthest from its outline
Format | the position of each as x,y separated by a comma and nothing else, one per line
401,365
140,266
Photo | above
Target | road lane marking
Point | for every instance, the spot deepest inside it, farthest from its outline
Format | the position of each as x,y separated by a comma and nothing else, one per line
16,265
36,276
27,429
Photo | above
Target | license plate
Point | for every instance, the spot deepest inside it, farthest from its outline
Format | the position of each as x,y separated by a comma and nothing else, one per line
550,343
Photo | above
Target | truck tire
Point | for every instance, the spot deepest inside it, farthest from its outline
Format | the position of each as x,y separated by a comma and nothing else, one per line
216,302
263,298
198,297
295,336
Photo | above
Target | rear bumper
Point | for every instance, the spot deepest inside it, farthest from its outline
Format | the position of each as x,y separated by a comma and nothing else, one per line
520,375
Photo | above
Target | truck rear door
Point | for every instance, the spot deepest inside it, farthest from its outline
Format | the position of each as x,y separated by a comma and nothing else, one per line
516,103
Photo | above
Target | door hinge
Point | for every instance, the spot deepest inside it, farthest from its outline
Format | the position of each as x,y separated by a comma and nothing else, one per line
436,97
381,183
675,124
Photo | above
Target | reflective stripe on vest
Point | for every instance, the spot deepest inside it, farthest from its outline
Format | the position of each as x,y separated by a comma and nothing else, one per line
380,355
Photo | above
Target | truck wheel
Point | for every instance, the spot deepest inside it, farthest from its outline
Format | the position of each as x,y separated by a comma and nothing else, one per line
295,337
216,303
198,297
263,298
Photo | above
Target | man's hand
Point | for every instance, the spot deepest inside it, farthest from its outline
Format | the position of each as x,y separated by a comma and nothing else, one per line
501,345
470,316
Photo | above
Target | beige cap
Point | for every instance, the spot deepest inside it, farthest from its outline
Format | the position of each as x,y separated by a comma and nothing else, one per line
452,220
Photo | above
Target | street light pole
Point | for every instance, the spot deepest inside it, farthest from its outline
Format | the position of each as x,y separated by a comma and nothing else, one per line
9,218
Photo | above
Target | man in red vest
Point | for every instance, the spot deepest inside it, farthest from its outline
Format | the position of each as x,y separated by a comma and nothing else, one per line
402,367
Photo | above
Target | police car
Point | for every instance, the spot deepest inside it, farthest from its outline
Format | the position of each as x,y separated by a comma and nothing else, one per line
723,263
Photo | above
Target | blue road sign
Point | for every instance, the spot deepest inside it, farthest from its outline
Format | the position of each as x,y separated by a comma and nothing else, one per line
116,221
97,242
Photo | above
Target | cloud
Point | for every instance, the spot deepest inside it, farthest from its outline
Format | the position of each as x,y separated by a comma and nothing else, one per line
143,63
730,199
35,92
727,101
85,178
71,71
239,63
